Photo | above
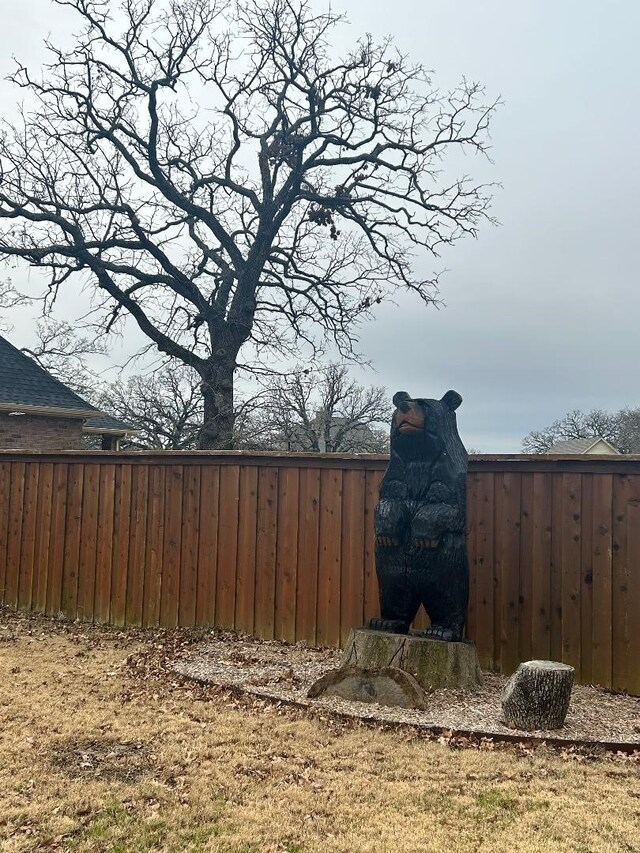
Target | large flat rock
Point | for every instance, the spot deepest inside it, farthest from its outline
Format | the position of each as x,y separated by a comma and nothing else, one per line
433,663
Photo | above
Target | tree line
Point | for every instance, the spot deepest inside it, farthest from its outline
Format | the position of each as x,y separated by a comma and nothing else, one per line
621,429
317,408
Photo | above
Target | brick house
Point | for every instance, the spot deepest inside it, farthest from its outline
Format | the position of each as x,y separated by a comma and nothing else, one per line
38,412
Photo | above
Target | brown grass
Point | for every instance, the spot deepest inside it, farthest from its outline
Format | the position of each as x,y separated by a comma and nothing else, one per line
93,759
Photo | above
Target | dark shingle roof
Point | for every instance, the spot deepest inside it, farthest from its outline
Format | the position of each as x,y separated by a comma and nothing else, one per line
105,423
24,384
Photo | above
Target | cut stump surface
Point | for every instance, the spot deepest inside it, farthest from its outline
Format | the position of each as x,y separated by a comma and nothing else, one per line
537,695
388,686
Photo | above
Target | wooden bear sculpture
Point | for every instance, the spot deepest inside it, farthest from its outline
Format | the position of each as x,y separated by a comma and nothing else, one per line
420,520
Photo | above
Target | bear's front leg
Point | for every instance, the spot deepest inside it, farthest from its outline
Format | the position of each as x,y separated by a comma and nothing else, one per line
398,600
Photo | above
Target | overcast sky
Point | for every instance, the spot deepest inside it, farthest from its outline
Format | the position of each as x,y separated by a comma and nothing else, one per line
542,313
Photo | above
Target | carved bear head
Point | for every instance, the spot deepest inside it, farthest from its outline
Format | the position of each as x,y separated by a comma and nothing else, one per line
422,428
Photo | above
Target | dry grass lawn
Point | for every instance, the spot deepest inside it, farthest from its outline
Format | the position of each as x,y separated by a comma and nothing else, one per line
95,759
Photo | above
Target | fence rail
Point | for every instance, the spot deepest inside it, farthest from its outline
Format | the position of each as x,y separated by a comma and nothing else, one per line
282,546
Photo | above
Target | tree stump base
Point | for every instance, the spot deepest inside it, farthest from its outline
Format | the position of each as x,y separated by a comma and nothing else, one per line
432,663
387,686
537,695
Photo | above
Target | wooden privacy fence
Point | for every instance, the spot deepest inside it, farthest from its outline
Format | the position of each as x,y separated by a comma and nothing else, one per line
282,546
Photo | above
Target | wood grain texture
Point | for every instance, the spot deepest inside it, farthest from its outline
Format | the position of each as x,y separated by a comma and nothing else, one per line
71,556
170,587
287,555
56,539
208,545
247,544
87,556
154,552
308,555
266,553
189,547
140,502
14,534
329,566
227,546
353,536
29,527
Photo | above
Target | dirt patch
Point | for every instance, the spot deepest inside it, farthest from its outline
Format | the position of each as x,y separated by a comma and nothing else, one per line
105,758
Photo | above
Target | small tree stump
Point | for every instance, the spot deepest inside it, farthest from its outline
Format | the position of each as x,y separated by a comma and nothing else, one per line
537,695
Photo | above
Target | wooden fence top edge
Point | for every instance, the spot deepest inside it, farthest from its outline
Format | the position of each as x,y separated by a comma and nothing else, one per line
478,463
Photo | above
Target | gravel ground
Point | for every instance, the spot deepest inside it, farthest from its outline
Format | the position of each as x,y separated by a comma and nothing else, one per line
285,672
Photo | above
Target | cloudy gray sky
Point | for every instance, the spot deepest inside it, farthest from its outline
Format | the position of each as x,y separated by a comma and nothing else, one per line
542,313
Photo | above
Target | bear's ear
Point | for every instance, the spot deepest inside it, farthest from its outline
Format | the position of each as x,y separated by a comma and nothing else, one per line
451,400
400,397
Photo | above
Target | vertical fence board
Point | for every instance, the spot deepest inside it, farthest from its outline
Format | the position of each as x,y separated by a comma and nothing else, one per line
189,546
287,554
602,587
330,553
170,593
507,557
308,544
140,501
555,612
154,555
87,556
371,603
104,553
586,580
352,560
247,542
5,494
208,545
571,524
121,533
266,552
14,533
483,564
622,539
541,568
43,531
228,546
71,556
29,522
525,599
56,539
629,646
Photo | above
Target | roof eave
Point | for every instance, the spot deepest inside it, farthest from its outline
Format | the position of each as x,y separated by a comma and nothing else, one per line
52,411
110,431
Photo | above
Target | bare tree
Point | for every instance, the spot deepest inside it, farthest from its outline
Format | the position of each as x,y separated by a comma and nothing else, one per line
628,430
279,213
323,410
165,406
575,424
64,353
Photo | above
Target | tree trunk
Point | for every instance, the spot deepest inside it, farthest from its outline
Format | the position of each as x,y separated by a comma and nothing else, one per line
217,392
537,695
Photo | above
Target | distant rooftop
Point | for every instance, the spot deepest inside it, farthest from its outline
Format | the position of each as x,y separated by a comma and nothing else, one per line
104,424
27,387
594,444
